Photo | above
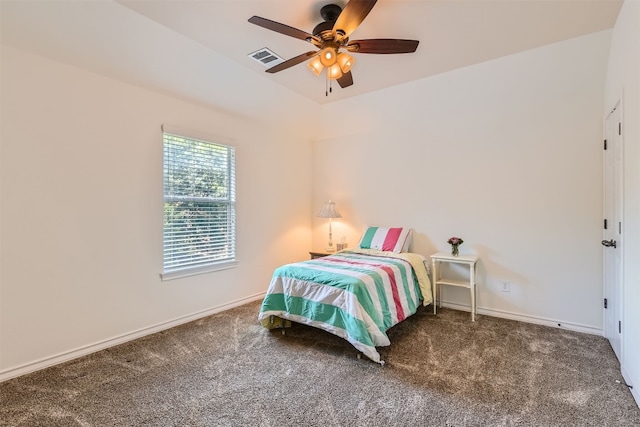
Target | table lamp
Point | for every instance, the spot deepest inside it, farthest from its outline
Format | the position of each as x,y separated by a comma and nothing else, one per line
330,211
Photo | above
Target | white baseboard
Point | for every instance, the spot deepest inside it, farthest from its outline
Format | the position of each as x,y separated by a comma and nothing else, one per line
635,391
554,323
92,348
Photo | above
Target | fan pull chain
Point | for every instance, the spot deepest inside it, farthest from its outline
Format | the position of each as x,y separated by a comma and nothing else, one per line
326,86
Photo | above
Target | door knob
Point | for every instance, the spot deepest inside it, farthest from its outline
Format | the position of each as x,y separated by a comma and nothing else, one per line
609,243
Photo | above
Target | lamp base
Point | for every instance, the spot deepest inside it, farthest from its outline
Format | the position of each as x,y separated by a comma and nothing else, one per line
330,249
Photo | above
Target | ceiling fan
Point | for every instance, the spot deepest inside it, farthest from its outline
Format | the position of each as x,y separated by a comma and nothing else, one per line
331,38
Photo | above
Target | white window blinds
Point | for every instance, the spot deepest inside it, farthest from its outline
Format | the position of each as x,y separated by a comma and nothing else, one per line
199,205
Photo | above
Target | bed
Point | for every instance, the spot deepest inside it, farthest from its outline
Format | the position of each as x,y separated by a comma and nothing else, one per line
355,294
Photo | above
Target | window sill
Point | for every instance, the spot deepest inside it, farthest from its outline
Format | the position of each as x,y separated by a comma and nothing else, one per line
186,272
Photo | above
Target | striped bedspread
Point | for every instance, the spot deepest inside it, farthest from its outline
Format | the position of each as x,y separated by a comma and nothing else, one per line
356,295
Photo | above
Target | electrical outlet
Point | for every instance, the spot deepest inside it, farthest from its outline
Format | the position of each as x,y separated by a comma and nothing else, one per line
505,286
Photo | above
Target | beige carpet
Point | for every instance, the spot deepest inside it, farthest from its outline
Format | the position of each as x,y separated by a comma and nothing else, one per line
226,370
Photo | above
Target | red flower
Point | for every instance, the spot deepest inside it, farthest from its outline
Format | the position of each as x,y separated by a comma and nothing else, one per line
455,241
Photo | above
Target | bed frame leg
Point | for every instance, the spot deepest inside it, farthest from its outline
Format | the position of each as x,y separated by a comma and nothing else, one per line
359,356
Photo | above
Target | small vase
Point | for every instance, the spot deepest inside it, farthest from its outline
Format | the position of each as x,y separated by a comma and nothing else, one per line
454,250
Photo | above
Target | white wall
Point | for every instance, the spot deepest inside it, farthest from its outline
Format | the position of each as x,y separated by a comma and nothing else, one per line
623,81
506,154
81,200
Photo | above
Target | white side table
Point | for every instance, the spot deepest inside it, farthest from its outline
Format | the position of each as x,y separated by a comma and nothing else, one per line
468,260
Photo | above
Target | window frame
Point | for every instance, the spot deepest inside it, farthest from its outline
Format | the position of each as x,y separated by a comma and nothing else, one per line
190,268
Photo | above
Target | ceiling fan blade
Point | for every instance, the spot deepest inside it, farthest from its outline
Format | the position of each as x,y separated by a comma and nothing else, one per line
345,80
283,29
351,16
383,46
293,61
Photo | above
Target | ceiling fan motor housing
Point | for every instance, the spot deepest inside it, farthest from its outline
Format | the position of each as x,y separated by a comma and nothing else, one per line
329,13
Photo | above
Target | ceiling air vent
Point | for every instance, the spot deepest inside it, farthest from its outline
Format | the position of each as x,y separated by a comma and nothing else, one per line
266,57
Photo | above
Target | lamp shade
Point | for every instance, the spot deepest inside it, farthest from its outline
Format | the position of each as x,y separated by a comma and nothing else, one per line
334,72
345,61
328,56
329,210
315,65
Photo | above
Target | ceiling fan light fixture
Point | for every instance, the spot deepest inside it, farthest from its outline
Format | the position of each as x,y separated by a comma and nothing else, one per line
345,61
334,72
328,56
315,65
331,40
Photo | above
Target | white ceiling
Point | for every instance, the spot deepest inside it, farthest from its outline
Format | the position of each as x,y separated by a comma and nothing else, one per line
185,46
452,33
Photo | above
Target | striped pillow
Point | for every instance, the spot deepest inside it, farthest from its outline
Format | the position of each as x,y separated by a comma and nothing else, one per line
386,239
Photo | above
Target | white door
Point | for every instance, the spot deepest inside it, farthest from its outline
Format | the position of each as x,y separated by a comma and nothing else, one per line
612,241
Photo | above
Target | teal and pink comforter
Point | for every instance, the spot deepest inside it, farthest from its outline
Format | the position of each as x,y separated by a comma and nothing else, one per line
357,295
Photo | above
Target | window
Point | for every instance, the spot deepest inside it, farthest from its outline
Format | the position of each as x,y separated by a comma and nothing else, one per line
199,206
